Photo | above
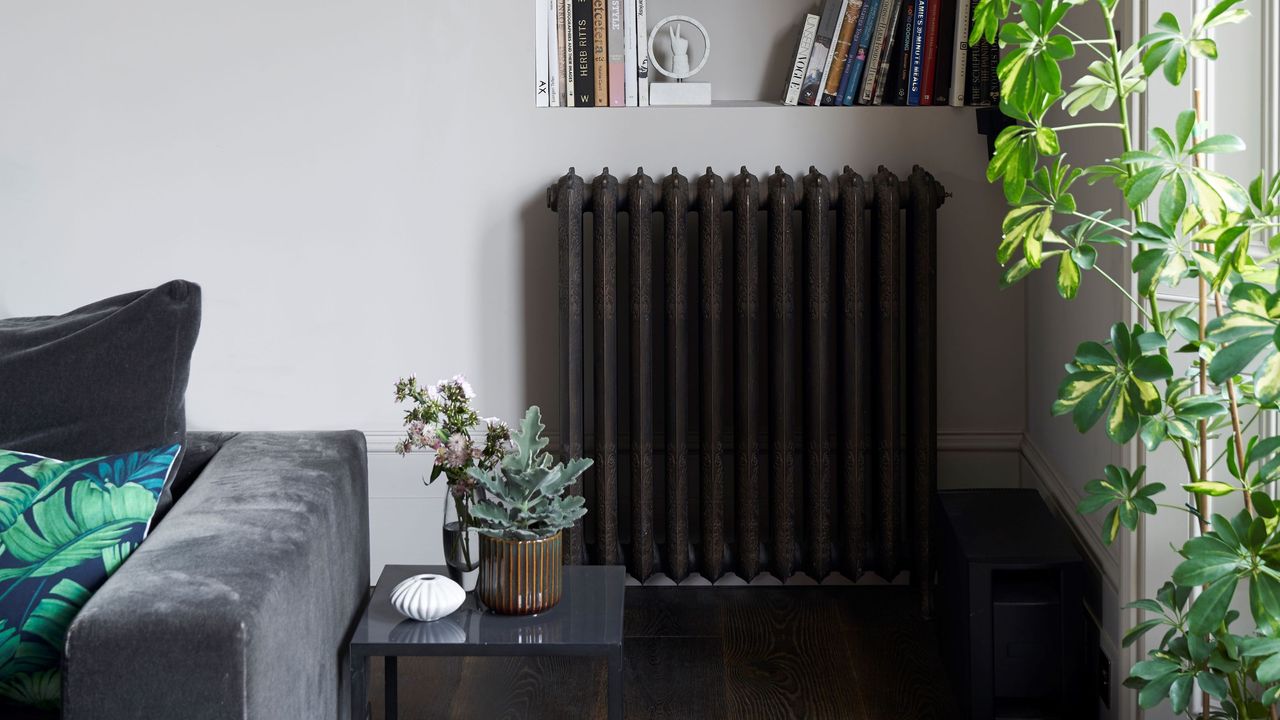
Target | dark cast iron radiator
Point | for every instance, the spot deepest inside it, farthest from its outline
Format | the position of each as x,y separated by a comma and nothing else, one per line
752,365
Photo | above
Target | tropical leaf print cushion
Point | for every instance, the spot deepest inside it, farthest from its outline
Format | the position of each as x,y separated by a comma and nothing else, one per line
65,526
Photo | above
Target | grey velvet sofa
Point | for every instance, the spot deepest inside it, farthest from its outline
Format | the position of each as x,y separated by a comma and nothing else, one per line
239,602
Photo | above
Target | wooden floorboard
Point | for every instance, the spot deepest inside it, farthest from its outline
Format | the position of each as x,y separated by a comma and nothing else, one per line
819,652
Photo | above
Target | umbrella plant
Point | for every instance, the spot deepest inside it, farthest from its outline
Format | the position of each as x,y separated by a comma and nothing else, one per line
1180,221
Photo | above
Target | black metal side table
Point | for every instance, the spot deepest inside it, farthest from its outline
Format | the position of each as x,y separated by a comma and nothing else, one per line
587,622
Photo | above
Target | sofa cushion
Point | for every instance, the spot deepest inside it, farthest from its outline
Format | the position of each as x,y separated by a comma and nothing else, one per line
65,526
106,378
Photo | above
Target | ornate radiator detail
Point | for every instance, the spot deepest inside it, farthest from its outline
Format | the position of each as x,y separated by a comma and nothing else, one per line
777,411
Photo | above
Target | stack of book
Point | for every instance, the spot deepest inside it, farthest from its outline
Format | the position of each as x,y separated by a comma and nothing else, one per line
592,53
902,52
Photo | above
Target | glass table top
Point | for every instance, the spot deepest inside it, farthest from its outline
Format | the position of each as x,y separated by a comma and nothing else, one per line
589,614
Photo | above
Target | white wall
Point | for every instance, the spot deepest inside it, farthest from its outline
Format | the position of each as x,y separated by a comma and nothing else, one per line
359,187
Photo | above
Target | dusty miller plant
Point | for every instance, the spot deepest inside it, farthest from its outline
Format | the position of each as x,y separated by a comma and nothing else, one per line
525,496
1182,221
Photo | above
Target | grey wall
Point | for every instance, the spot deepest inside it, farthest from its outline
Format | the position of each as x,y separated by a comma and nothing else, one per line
360,188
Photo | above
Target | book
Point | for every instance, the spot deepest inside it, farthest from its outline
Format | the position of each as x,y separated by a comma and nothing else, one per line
840,53
642,51
979,84
815,74
960,53
801,62
554,58
584,64
930,66
867,27
876,49
567,50
917,52
883,78
631,78
600,47
542,54
973,92
846,73
902,55
617,56
993,75
562,57
946,49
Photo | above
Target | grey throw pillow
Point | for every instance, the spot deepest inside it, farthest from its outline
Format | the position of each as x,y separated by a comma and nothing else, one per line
103,379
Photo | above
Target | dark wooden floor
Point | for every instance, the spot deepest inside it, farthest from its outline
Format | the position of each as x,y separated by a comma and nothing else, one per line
822,652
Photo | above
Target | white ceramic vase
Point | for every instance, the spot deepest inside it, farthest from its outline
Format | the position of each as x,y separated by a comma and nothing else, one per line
427,597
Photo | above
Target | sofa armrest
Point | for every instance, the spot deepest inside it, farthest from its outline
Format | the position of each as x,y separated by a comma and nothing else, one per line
239,603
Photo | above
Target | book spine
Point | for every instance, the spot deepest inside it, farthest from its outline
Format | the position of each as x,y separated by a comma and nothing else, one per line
866,28
904,55
917,52
946,49
815,74
840,53
600,47
584,79
803,49
978,73
846,72
567,51
883,78
631,79
562,57
555,58
831,54
542,54
642,52
960,54
617,56
878,41
993,75
930,52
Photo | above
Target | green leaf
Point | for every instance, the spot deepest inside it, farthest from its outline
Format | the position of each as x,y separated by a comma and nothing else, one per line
1068,277
1210,488
1219,144
1208,611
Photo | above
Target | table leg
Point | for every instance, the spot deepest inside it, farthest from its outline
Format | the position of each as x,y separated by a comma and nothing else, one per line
359,686
392,696
615,684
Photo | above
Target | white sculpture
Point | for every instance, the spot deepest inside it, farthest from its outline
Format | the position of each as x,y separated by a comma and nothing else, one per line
679,66
679,53
427,597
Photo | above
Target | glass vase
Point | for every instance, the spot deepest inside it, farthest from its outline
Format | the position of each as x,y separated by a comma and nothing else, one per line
461,549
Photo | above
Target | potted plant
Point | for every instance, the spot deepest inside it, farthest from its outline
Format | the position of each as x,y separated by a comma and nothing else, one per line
442,421
1201,226
520,520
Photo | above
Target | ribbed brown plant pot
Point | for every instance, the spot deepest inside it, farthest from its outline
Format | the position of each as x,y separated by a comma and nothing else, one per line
520,577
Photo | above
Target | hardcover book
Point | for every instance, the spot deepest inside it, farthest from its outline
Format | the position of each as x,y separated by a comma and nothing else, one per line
617,56
584,63
801,62
600,45
876,50
993,74
917,52
960,53
900,67
883,78
819,59
567,52
930,52
631,81
846,73
866,29
642,52
946,49
542,54
840,53
555,58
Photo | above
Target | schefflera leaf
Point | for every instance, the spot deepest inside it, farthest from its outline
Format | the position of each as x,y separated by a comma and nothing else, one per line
1249,333
1118,382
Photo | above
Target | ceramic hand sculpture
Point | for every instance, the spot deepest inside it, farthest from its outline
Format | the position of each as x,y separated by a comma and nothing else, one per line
679,53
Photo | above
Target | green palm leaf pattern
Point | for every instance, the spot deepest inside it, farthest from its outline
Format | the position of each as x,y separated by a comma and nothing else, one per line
58,535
